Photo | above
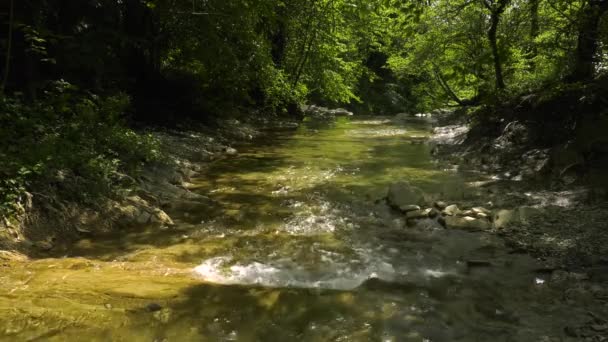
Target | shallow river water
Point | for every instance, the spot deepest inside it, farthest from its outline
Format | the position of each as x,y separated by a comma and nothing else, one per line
296,248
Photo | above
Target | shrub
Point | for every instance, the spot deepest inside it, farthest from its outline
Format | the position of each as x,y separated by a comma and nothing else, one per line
74,145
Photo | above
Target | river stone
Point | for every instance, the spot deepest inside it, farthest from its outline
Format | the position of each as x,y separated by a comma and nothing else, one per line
411,207
481,210
451,210
162,218
432,212
466,223
440,205
231,151
402,195
417,214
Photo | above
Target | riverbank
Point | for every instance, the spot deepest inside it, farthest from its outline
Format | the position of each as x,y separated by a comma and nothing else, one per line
45,225
555,209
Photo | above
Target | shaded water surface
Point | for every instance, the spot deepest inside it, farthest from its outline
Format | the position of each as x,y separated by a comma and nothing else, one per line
295,248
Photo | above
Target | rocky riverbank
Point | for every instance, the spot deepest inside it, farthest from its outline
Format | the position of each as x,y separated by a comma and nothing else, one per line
49,227
541,201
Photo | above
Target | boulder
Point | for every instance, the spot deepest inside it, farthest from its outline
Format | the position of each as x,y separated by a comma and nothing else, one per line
402,196
466,223
451,210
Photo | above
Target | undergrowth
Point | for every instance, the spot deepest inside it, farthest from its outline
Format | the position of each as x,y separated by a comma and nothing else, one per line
68,145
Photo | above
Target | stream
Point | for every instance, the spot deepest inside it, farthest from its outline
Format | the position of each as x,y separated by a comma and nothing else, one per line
299,246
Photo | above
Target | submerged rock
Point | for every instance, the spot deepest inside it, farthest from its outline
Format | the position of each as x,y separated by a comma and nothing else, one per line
402,196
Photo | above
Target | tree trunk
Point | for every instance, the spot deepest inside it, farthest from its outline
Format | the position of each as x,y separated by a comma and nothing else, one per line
7,63
496,8
495,19
446,87
588,36
534,32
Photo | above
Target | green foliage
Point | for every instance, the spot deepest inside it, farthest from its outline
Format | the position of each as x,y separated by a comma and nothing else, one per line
71,143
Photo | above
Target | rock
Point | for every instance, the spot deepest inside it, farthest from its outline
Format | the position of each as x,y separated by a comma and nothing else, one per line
482,216
162,218
203,156
231,151
403,195
451,210
143,218
466,223
481,210
432,212
416,214
440,205
410,207
467,213
504,218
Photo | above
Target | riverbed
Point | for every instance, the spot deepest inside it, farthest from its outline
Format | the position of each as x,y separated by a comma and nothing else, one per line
296,244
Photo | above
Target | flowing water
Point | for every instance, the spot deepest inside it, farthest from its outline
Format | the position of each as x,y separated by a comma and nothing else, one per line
297,247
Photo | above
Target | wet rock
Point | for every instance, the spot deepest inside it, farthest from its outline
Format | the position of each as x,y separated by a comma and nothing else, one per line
432,212
161,217
412,207
481,210
466,223
416,214
451,210
231,151
402,195
440,205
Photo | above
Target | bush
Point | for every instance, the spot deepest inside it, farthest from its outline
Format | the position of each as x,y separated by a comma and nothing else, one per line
71,144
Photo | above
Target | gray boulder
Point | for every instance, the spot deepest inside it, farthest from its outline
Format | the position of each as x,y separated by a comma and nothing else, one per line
402,196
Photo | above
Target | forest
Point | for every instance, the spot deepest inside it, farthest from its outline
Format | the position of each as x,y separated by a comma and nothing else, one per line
130,130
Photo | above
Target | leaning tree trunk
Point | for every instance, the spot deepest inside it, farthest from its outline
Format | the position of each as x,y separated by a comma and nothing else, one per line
588,36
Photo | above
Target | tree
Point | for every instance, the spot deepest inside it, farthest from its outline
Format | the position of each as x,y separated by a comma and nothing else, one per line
496,8
587,39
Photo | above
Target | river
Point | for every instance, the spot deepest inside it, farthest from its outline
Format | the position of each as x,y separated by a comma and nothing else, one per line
297,247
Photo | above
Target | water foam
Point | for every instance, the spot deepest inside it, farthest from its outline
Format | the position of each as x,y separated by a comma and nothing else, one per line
219,271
